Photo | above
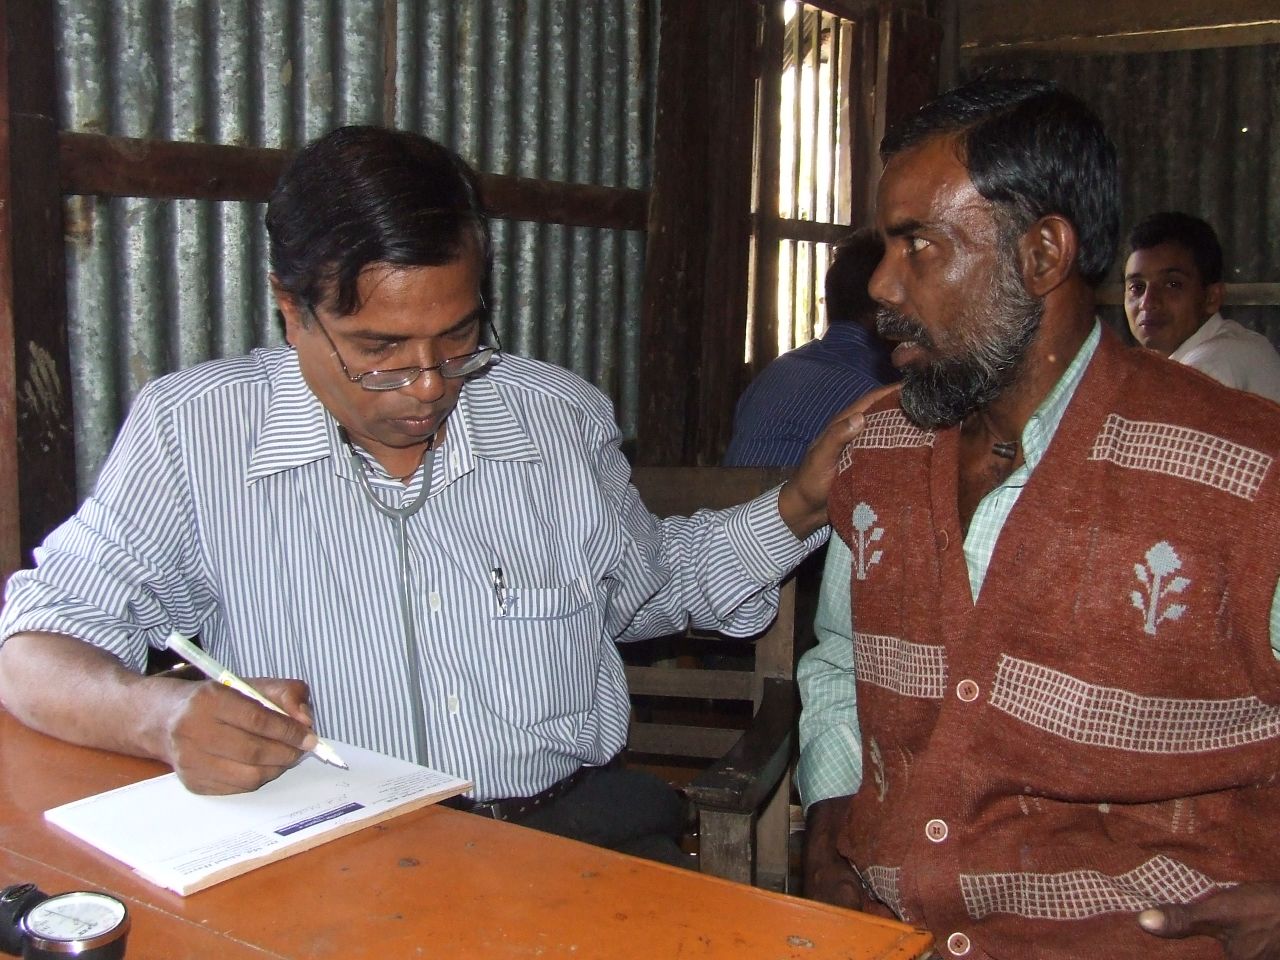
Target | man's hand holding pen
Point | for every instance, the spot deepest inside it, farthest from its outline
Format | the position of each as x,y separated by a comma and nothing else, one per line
219,741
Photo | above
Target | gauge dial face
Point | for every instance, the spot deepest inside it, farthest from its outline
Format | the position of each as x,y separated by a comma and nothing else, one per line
75,916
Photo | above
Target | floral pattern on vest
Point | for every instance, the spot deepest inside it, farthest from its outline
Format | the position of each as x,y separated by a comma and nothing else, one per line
1098,732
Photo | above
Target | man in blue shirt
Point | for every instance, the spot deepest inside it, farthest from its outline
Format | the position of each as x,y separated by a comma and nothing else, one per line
797,395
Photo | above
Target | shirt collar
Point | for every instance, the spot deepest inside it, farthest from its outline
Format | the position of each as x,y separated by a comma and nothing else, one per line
1043,424
298,430
1206,331
494,430
846,333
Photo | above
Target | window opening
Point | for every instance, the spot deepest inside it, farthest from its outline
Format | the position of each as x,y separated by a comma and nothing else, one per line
813,163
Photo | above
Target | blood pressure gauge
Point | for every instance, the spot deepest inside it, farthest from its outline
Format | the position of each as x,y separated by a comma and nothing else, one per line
81,924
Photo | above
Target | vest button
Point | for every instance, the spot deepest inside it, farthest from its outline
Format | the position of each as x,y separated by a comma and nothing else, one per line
967,691
936,830
944,540
958,944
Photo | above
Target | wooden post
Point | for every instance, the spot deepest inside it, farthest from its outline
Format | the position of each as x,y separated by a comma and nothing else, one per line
896,72
37,467
865,156
10,535
696,269
764,314
911,45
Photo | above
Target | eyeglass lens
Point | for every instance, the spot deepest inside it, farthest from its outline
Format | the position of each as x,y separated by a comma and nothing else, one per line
451,369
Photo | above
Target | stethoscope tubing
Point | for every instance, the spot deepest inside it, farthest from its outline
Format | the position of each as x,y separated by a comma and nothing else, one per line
412,658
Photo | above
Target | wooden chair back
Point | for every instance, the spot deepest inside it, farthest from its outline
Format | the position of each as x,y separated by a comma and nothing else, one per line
688,706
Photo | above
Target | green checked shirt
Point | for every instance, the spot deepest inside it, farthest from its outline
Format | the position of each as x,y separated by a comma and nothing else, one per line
830,741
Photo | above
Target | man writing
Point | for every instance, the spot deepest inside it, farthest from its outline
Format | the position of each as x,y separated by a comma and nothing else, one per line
443,547
1173,291
1040,721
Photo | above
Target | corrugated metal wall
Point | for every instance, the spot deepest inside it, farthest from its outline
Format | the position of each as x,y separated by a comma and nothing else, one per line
550,89
1196,130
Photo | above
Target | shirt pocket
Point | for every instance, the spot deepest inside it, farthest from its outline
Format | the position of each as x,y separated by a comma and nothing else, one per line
548,648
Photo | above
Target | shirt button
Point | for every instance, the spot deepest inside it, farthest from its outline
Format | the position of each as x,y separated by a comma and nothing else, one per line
433,601
958,944
455,706
967,691
454,460
936,830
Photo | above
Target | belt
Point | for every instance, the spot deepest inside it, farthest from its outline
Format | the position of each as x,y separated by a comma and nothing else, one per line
517,808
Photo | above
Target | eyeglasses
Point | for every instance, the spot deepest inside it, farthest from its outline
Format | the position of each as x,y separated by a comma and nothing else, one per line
451,368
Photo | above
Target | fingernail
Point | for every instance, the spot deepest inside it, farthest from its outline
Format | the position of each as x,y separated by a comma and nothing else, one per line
1151,920
310,741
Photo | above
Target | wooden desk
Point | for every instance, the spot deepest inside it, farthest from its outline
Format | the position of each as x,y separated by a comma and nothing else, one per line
432,883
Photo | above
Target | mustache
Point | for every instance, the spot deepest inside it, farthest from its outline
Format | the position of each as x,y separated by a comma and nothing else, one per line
893,325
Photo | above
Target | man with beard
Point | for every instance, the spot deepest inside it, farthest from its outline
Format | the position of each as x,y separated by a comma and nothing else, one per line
1039,721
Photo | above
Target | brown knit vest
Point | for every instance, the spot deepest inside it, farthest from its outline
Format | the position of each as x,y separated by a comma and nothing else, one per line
1101,731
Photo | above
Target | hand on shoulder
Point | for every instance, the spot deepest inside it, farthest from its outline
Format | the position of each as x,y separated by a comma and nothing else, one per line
802,503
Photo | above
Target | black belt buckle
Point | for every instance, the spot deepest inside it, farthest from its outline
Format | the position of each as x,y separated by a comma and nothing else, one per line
513,809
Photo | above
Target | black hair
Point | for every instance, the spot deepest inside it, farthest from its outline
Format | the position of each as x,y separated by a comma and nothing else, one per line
1032,150
853,260
1191,233
361,195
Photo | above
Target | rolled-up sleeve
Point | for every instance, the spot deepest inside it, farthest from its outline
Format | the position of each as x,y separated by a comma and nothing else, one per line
119,572
716,569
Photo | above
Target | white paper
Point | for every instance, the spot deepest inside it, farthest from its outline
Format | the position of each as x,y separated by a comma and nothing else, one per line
185,841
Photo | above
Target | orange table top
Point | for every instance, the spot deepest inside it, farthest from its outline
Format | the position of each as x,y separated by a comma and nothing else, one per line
431,883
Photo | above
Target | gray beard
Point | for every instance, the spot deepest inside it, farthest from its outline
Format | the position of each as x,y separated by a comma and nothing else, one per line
993,341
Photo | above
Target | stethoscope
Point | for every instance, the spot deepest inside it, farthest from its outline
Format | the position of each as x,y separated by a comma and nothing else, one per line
401,516
361,471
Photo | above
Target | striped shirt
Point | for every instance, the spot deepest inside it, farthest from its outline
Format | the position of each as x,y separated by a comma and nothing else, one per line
830,742
784,409
232,508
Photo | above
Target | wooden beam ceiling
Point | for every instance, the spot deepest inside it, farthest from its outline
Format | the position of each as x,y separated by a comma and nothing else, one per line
992,27
91,163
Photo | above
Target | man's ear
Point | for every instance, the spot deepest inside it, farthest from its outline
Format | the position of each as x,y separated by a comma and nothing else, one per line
1049,248
1214,294
289,308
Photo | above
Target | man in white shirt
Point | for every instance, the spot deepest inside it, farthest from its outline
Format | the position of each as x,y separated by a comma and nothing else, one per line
1173,291
406,545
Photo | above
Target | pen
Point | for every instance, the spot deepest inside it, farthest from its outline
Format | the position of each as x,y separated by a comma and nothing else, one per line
212,669
499,589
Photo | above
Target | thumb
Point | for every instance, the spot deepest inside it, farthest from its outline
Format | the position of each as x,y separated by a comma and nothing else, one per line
848,423
1170,920
845,429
